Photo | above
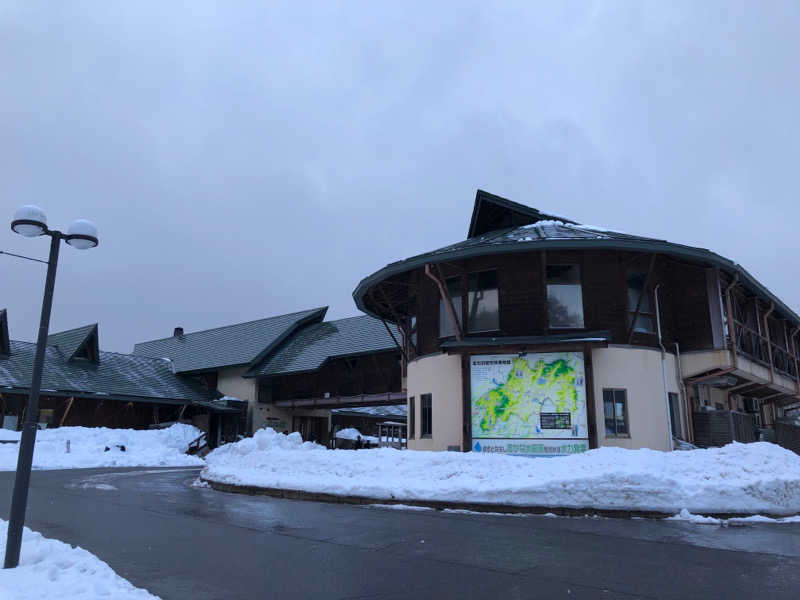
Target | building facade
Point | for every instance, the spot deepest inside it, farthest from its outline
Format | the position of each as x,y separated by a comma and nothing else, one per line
292,370
539,335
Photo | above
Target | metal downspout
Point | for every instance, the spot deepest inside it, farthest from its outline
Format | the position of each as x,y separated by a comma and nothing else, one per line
664,370
684,396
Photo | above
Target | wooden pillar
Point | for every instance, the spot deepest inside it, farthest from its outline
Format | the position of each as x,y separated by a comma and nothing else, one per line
590,405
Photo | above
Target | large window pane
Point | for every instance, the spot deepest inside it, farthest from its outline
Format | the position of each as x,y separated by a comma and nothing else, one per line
615,413
564,297
426,400
483,304
446,326
644,320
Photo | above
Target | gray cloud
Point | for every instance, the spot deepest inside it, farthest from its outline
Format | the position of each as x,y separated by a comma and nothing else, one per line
244,160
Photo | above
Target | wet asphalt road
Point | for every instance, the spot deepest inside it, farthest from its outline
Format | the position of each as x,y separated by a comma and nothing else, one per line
179,542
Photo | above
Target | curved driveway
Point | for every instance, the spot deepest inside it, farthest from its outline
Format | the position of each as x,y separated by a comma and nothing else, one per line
179,542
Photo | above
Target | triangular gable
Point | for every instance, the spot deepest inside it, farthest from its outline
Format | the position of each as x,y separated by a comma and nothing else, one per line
495,212
5,344
76,344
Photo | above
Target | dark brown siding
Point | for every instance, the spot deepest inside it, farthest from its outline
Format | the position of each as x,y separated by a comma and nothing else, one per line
366,374
683,296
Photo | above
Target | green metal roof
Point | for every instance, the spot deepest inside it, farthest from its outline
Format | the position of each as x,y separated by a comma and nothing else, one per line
116,376
242,344
72,340
489,206
310,347
373,412
560,235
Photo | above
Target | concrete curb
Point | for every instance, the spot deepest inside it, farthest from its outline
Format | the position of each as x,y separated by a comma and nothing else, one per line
484,507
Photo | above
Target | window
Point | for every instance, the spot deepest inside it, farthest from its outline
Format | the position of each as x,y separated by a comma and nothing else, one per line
446,327
675,414
483,302
411,424
564,297
427,415
615,409
412,329
644,320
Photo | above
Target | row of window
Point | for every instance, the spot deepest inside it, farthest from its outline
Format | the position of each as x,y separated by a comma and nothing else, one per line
426,401
615,412
564,301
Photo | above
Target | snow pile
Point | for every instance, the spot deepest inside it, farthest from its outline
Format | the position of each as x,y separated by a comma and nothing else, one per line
685,515
740,478
351,433
52,569
143,448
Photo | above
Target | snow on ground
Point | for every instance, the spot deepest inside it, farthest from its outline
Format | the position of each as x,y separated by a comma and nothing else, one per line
52,569
744,478
351,433
143,448
685,515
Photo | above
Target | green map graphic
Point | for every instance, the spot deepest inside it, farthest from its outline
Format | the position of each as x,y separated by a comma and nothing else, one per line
530,396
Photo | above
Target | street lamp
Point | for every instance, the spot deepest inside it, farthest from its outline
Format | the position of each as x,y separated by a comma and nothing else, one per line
30,221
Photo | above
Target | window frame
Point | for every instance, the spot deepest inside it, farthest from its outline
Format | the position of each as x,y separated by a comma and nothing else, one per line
423,398
411,417
458,307
675,420
466,284
547,285
626,414
631,310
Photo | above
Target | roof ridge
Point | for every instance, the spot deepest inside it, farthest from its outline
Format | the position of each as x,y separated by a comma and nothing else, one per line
74,329
56,347
234,324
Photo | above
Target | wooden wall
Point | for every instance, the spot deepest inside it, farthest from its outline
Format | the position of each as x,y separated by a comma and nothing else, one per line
522,296
374,373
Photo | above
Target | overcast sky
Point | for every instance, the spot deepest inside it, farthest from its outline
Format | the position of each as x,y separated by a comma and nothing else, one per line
244,160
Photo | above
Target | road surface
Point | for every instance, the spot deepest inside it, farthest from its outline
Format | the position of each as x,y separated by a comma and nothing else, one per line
180,542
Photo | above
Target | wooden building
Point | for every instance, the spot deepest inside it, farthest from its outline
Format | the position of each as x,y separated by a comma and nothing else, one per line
83,385
292,369
629,341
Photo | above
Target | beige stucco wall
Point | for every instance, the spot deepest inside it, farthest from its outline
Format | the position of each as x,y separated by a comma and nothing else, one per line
231,383
638,370
440,376
695,363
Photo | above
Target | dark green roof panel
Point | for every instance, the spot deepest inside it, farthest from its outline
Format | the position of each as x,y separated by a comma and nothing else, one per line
241,344
118,376
72,340
310,347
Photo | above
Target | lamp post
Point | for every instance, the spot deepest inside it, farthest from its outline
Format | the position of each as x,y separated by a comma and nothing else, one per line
30,221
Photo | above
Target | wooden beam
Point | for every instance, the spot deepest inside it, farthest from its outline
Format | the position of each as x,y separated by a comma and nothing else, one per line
448,302
66,411
645,287
730,320
769,342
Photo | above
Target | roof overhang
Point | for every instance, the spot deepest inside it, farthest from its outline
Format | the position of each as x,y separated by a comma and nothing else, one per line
582,337
253,373
98,396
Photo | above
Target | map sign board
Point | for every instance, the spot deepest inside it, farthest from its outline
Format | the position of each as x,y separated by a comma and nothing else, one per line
530,404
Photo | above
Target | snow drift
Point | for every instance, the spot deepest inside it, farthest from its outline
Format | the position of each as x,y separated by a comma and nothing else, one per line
143,448
738,478
353,434
52,569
